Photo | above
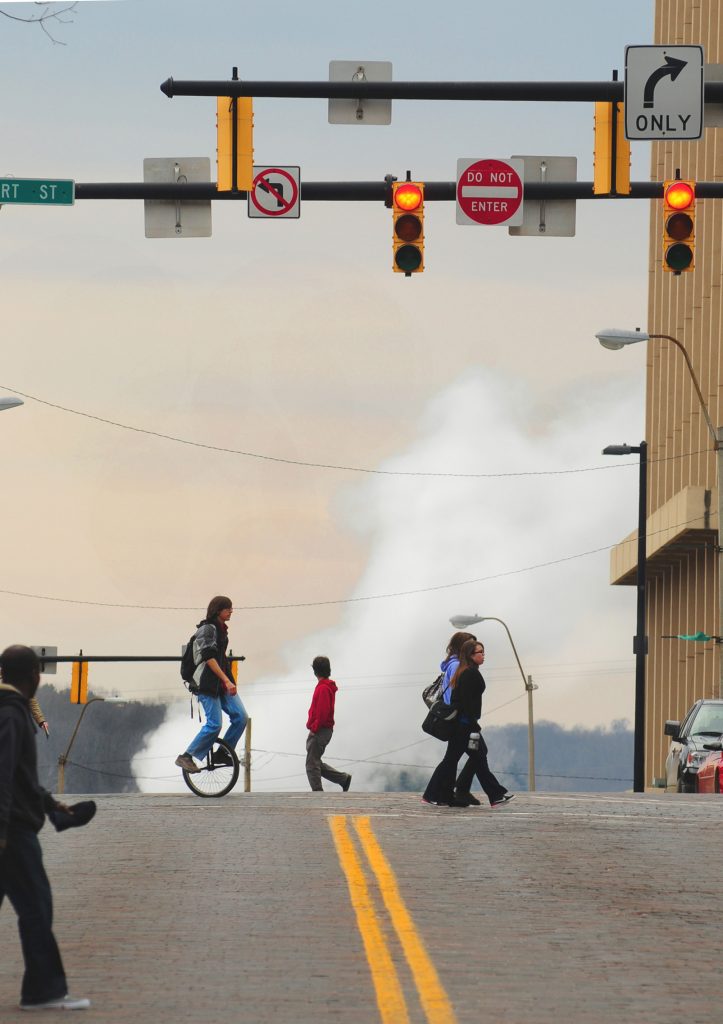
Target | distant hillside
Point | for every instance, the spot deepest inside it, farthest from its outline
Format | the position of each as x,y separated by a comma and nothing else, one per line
109,737
581,760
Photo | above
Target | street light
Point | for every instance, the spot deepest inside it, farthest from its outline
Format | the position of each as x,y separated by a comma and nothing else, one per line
462,622
615,338
63,758
640,643
10,402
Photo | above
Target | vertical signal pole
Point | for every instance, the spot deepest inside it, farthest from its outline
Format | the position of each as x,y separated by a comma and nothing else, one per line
234,135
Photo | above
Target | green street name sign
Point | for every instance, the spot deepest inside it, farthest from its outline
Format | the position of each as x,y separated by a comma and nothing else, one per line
37,192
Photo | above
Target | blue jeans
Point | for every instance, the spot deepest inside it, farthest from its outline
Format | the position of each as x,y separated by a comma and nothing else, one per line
212,707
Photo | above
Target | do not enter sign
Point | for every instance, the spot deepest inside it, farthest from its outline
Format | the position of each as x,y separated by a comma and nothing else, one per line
490,191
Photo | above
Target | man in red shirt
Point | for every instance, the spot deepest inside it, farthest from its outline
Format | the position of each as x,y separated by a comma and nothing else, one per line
321,727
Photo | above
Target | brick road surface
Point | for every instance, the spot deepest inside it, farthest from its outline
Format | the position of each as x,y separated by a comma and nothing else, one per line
559,908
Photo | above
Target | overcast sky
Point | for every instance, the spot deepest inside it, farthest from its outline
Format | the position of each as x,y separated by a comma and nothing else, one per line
295,340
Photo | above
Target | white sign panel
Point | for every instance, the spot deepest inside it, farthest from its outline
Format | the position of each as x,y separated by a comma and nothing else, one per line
663,92
275,192
360,111
489,191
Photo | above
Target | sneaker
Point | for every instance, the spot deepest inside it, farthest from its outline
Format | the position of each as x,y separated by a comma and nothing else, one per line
222,757
345,785
470,801
186,762
508,796
65,1003
503,800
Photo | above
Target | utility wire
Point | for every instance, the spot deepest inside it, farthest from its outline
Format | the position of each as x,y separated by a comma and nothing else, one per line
341,600
326,465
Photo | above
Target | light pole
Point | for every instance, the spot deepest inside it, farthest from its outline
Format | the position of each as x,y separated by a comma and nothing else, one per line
63,758
615,338
462,622
640,643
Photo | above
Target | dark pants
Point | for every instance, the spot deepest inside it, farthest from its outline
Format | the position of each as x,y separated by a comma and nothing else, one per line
477,765
440,788
316,770
24,882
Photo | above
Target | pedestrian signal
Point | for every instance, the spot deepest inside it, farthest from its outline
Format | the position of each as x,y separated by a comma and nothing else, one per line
678,226
408,233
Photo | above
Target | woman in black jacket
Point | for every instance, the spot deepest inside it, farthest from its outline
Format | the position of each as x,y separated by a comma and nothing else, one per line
467,689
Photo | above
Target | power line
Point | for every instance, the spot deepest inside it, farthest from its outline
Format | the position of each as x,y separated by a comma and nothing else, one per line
341,600
331,466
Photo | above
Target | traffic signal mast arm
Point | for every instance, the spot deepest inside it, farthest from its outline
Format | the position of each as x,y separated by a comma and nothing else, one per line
541,92
375,191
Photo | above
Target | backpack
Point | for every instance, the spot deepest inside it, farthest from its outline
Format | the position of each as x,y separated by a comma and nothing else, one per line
188,667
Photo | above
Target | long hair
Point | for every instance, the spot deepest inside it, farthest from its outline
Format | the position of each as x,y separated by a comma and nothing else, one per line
456,641
216,605
465,659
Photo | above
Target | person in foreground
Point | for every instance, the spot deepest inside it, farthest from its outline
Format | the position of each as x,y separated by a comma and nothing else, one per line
467,686
216,687
320,724
23,805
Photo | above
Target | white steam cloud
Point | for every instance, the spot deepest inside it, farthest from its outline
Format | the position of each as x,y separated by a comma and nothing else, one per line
572,630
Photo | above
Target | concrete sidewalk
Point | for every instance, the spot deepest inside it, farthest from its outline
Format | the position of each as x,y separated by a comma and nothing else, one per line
557,908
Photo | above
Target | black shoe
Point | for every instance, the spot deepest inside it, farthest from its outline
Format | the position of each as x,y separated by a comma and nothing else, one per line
503,800
470,801
455,802
222,757
345,785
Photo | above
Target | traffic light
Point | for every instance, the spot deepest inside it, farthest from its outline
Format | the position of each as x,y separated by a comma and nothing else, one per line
678,226
611,155
408,233
235,143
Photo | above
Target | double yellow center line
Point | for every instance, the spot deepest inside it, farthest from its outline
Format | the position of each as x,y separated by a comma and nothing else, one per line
390,996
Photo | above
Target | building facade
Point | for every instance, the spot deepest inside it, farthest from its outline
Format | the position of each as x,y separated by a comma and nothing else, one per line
682,527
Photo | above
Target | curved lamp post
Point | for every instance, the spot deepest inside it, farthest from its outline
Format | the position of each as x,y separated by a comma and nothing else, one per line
63,758
615,338
462,622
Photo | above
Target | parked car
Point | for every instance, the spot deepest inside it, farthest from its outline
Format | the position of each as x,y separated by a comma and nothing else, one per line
710,773
703,724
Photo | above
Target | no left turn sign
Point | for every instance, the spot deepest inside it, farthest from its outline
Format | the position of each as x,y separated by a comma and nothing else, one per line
275,192
490,191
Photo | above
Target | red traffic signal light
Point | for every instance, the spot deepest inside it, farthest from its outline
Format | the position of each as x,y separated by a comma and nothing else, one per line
678,226
408,231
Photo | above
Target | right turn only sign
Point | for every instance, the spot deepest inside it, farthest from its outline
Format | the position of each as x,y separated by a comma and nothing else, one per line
664,92
489,191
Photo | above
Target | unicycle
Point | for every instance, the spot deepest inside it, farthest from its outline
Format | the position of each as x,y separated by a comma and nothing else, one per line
219,772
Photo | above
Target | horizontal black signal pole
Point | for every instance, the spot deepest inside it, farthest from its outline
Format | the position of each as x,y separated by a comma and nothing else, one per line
373,191
540,92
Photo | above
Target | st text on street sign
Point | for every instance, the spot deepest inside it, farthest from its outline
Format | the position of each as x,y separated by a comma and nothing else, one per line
490,191
664,92
275,192
37,192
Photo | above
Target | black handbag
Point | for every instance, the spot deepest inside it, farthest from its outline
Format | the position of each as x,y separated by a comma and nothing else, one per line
433,692
440,720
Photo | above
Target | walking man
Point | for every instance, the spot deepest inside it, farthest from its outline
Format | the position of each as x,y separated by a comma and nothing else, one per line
321,727
23,805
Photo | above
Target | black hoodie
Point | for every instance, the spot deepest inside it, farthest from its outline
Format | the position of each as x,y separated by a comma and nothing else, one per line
23,801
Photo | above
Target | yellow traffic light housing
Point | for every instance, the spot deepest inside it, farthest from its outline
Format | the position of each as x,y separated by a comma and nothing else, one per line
408,227
235,143
79,683
611,155
678,226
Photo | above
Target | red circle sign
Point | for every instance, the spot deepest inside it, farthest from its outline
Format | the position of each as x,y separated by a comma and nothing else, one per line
489,192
